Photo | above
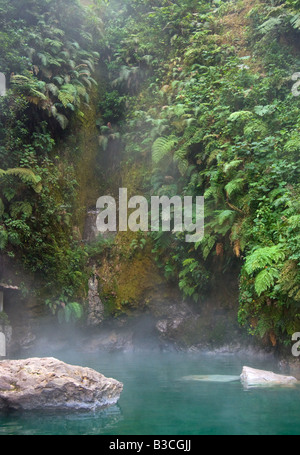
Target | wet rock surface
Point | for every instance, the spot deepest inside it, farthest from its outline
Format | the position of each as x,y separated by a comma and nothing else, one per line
48,383
252,377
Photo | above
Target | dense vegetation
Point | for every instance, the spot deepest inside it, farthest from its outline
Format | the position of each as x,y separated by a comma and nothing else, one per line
48,57
211,104
201,96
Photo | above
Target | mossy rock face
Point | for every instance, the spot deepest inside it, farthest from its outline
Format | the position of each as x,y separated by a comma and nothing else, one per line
136,279
85,168
128,278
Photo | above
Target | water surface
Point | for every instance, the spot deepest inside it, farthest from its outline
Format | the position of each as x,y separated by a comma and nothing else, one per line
158,399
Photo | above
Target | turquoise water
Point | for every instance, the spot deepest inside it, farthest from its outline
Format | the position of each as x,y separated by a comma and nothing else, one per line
157,400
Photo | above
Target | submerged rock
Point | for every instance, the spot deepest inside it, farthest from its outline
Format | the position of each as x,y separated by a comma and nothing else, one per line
211,378
48,383
251,377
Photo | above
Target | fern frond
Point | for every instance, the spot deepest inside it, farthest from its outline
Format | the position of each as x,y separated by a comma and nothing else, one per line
289,279
67,94
295,21
62,120
213,192
213,156
240,116
231,165
234,186
52,88
294,221
225,216
24,174
21,207
263,257
207,244
162,147
43,58
180,160
265,279
270,24
59,80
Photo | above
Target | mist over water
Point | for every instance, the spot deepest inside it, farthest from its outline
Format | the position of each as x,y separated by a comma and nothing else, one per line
159,397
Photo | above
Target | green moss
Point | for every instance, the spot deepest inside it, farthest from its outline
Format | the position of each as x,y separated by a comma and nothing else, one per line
128,275
85,168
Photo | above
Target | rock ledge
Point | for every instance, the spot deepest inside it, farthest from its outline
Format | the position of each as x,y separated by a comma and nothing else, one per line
48,383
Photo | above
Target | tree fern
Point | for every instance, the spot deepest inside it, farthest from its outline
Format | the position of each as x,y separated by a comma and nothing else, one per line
30,86
59,79
43,58
53,44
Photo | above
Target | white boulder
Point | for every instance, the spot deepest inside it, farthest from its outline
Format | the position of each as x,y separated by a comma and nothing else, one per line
252,377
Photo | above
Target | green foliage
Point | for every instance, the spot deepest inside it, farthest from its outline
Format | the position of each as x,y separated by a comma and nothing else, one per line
265,279
210,122
207,112
49,56
57,72
162,147
112,107
263,257
65,311
193,279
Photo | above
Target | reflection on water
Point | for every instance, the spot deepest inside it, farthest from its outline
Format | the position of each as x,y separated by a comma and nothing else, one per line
31,423
157,401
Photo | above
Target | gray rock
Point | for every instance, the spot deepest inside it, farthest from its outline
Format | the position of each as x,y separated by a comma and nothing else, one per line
95,306
176,316
109,341
252,377
48,383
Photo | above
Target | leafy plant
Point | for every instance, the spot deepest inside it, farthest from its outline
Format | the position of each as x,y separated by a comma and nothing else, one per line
65,311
